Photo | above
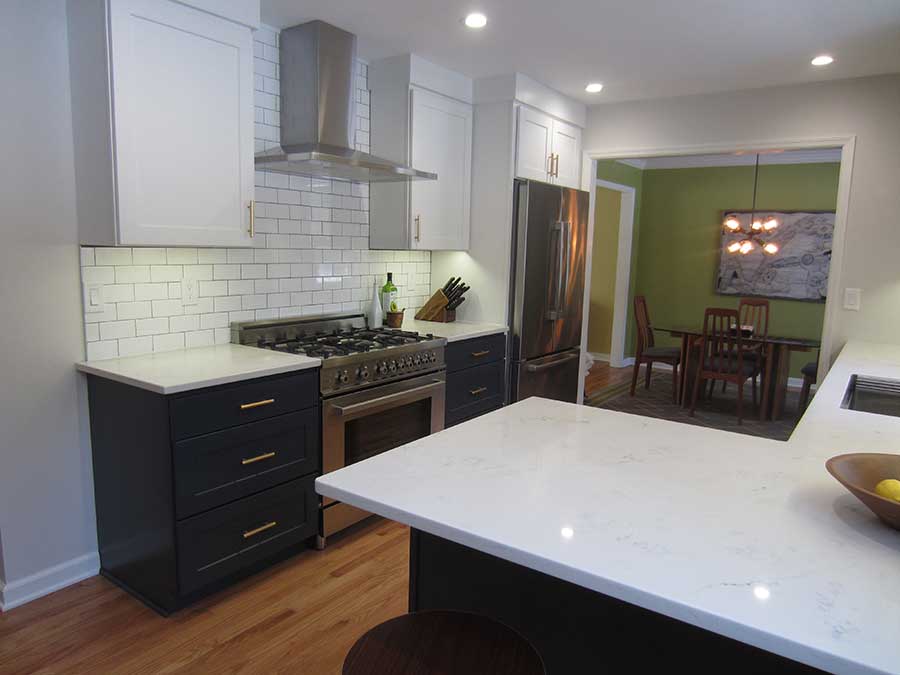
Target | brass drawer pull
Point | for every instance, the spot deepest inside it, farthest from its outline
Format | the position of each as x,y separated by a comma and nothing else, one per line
476,355
258,458
257,404
261,528
479,390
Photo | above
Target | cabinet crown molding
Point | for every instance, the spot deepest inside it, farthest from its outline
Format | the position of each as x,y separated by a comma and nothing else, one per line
527,90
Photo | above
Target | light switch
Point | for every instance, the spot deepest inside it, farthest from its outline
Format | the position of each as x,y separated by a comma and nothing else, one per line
93,298
852,299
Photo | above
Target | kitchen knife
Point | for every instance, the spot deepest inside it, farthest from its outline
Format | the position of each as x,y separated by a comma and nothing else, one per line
454,282
447,286
456,303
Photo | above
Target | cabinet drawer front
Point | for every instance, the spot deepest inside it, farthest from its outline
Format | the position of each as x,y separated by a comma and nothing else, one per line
220,408
225,540
474,391
217,468
475,352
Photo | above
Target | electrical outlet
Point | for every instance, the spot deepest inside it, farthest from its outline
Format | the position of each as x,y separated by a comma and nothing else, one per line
93,298
852,299
190,292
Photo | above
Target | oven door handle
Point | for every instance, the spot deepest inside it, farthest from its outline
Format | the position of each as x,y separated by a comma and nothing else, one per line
411,394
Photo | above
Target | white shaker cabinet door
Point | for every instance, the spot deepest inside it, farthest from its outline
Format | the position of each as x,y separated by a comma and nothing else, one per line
441,142
182,90
567,148
534,144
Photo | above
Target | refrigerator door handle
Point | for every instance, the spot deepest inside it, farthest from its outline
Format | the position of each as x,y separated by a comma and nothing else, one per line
538,367
564,284
554,312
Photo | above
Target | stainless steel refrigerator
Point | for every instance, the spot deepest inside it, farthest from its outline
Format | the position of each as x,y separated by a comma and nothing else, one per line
547,290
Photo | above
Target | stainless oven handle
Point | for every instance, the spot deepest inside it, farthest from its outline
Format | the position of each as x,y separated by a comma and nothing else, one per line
380,400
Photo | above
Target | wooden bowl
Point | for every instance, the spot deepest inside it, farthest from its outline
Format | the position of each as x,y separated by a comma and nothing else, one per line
860,472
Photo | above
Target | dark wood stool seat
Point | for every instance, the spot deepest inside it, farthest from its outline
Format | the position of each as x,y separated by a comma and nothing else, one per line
442,642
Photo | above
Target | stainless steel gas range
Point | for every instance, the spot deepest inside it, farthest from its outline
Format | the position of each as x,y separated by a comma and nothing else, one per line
379,387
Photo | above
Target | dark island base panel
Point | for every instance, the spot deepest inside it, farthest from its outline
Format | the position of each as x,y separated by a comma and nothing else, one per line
575,630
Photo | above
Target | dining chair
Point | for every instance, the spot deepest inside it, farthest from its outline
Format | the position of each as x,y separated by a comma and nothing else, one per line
754,312
810,371
722,355
646,352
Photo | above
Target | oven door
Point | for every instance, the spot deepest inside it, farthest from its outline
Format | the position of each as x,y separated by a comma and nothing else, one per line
366,423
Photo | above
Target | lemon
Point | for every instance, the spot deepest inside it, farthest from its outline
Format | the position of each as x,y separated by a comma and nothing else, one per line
889,488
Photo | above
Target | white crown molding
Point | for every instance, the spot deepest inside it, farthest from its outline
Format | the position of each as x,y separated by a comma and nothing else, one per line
814,156
26,589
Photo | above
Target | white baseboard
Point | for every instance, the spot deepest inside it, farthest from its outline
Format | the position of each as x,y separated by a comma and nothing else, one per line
46,581
598,356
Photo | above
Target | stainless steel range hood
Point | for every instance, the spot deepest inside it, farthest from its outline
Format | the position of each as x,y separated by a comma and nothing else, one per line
318,111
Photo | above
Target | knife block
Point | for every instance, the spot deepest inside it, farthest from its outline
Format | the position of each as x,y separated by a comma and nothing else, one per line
436,304
444,316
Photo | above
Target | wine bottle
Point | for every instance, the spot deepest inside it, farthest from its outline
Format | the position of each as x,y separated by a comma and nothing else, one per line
388,293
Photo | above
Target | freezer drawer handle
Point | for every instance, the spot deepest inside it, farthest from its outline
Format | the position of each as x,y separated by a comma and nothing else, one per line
534,368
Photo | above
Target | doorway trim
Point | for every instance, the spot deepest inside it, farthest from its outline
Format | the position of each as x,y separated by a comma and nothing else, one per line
623,270
847,144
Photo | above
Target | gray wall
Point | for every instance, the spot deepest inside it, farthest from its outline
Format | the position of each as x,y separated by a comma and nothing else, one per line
46,494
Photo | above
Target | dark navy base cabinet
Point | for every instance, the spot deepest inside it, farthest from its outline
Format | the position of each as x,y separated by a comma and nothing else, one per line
196,490
476,376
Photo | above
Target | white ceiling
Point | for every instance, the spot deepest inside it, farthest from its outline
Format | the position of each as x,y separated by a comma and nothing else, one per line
817,156
637,48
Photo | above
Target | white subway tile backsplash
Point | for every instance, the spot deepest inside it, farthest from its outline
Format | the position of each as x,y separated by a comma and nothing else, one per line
135,345
310,256
151,327
149,256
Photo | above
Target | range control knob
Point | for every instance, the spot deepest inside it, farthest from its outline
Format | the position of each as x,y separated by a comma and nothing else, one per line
392,366
344,377
417,359
381,368
362,373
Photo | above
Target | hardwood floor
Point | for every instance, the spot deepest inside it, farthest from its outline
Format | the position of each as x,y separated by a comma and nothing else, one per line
602,375
300,617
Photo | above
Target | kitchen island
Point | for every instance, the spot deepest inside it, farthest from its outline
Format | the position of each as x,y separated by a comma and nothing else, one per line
617,541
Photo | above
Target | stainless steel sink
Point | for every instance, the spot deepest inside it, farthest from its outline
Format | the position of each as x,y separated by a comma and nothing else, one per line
876,395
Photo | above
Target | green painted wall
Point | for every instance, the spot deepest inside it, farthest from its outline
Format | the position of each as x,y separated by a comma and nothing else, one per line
622,174
603,269
678,245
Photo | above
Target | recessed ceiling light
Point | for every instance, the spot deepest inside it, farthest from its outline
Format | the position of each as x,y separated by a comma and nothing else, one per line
593,87
822,60
476,20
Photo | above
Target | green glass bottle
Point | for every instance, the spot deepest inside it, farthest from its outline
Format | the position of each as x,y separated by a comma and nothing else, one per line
388,293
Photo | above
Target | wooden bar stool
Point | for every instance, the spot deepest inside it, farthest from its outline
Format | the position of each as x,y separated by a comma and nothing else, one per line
445,643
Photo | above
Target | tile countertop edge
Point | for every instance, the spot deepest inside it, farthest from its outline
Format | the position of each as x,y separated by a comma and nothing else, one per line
694,616
112,369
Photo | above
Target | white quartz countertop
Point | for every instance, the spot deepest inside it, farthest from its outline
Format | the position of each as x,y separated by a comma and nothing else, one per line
195,368
455,330
742,536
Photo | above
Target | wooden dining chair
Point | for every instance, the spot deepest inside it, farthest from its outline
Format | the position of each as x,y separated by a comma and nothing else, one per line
810,371
722,354
646,352
754,312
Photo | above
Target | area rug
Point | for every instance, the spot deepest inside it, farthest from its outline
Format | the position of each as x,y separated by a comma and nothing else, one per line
718,413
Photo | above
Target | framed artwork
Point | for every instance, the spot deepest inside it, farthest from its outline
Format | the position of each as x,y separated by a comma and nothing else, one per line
798,271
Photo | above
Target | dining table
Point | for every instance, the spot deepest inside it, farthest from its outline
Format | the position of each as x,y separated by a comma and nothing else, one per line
776,369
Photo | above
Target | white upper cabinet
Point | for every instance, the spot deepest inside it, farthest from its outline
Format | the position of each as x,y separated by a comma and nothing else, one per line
567,149
421,114
176,167
547,149
535,143
441,143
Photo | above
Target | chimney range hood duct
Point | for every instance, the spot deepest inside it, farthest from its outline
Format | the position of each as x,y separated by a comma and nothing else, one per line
318,111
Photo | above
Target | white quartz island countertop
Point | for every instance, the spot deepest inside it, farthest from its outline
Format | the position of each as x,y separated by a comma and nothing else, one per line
195,368
455,330
742,536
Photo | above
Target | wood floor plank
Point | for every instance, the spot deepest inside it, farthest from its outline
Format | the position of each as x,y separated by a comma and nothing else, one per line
300,616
